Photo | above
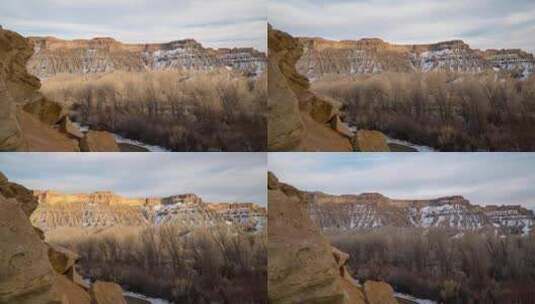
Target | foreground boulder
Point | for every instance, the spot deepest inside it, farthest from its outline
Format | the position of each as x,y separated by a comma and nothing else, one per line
66,126
303,267
49,112
370,141
99,141
61,259
379,293
107,293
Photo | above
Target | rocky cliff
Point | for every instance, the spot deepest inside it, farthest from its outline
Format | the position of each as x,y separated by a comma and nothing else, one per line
323,57
302,266
32,271
29,121
300,120
372,210
106,209
99,55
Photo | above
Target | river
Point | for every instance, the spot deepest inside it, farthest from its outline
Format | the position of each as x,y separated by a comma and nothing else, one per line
126,141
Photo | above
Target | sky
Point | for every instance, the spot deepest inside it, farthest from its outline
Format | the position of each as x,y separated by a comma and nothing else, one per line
215,177
480,23
215,23
483,178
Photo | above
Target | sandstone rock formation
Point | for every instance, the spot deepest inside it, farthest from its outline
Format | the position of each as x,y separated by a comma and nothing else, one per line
32,271
298,119
98,141
28,121
107,293
323,57
303,267
369,141
372,210
55,56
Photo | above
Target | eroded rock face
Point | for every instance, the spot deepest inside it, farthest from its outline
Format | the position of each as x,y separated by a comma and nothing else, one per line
29,129
55,56
379,293
323,57
302,266
26,276
297,118
23,197
32,271
99,141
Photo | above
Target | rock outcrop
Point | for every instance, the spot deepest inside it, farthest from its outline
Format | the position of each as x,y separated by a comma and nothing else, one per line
99,55
28,121
299,120
323,57
32,271
302,266
98,141
372,210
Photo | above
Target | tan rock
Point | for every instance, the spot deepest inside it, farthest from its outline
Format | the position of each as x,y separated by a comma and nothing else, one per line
301,268
66,126
61,259
70,292
19,130
107,293
11,137
379,293
48,112
341,127
370,141
296,117
340,257
26,276
99,141
40,137
23,197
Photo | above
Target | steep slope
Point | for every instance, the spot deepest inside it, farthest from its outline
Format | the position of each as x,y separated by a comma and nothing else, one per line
55,56
298,119
302,266
28,121
323,57
372,210
106,209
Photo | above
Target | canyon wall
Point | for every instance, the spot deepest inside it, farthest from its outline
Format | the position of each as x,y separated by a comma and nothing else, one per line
100,55
323,57
107,209
372,210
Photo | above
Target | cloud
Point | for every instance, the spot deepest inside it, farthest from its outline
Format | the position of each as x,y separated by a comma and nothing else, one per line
213,176
484,178
215,23
481,23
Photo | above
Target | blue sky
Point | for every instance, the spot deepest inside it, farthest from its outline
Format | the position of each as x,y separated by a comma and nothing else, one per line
481,23
483,178
215,177
215,23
